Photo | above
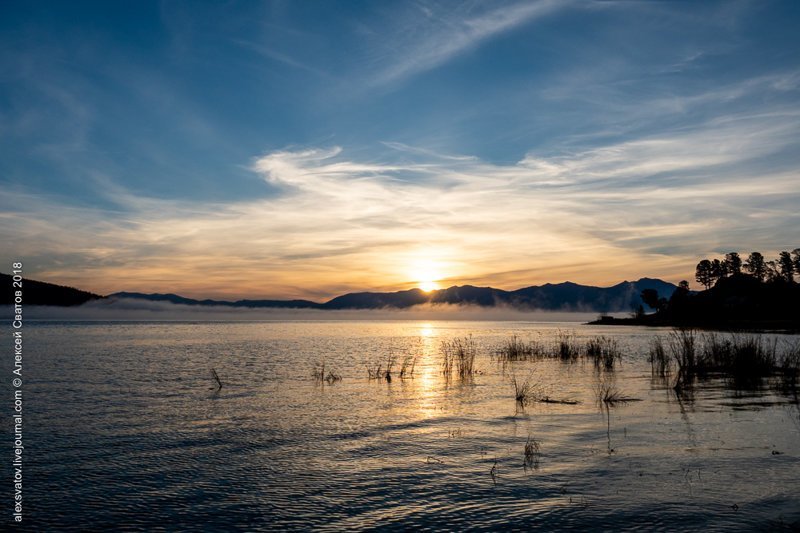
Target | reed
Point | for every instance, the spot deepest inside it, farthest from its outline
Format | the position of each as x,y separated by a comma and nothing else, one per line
746,359
608,395
390,362
790,367
659,360
604,351
407,368
683,347
375,370
566,348
216,378
321,377
517,350
459,357
532,453
523,391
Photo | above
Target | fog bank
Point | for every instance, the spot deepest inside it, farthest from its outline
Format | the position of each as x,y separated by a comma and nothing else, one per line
124,309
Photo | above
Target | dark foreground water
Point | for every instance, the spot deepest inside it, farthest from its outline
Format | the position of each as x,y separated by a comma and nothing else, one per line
123,430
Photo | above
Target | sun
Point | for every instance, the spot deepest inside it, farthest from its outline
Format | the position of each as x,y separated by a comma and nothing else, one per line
426,275
428,285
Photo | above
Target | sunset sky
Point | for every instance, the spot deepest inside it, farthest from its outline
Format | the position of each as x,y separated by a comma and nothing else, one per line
307,149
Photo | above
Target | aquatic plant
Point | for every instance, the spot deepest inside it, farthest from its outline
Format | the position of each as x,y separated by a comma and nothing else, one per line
375,371
682,345
493,472
523,390
789,366
532,453
604,351
567,347
320,376
746,359
459,356
659,360
216,378
517,350
390,361
407,368
529,391
608,395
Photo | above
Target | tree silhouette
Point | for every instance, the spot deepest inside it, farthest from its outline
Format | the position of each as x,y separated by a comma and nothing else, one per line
773,273
704,273
796,259
718,270
756,266
650,298
733,263
683,285
786,267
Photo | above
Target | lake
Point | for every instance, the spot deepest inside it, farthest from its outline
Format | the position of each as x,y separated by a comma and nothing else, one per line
125,428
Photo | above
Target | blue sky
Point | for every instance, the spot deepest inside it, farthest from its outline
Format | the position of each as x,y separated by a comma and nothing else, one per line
309,148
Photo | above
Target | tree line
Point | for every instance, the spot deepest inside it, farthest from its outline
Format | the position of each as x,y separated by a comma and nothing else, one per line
784,268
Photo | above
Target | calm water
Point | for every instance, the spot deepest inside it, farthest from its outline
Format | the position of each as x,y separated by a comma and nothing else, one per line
123,429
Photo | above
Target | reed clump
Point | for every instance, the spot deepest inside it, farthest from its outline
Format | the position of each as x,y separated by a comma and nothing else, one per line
529,391
683,347
604,351
532,453
320,376
790,367
375,370
567,347
459,357
608,395
385,371
407,367
523,390
515,349
746,359
659,359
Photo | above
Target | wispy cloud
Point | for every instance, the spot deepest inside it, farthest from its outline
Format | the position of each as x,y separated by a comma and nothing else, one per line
275,55
648,206
446,35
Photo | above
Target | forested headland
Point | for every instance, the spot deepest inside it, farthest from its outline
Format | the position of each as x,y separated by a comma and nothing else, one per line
750,293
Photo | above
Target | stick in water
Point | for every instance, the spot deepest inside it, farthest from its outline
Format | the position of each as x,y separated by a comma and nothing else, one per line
216,377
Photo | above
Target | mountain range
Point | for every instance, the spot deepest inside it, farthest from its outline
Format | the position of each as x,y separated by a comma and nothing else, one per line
565,296
561,296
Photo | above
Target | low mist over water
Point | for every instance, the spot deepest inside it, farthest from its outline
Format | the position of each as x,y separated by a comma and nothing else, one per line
131,430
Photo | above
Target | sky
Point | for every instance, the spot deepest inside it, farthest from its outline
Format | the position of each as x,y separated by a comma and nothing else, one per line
308,149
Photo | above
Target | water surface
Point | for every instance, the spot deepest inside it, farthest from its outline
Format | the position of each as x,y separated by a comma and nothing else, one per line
124,429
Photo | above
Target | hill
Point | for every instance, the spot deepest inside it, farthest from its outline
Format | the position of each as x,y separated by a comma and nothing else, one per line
566,296
42,293
737,302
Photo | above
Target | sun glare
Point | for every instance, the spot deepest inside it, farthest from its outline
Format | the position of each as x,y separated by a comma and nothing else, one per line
426,274
428,285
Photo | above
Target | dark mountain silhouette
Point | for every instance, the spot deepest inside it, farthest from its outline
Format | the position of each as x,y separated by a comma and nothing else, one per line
42,293
175,299
377,300
573,297
562,297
